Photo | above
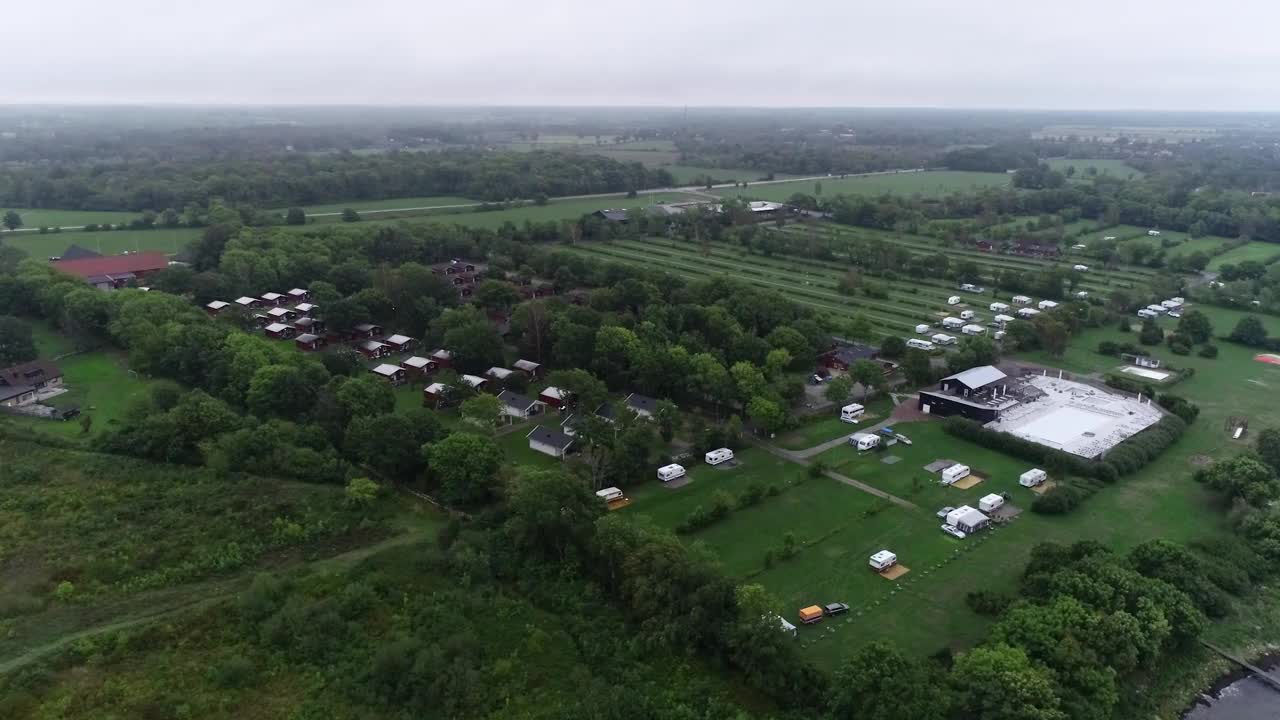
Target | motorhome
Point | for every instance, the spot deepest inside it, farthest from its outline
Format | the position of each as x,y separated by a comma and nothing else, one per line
919,344
667,473
852,413
1032,477
955,473
610,494
715,457
864,441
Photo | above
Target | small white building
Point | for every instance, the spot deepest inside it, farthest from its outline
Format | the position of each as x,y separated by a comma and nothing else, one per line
922,328
1032,477
943,339
1028,312
954,474
990,503
549,441
864,441
999,334
973,330
1021,300
953,300
852,412
953,323
999,307
883,560
967,519
1046,304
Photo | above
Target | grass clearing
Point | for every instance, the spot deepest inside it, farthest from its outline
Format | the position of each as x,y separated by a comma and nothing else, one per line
99,383
1255,251
110,242
827,426
365,206
36,218
1116,168
930,184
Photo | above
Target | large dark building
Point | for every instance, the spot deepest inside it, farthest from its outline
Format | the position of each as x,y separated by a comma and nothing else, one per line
976,393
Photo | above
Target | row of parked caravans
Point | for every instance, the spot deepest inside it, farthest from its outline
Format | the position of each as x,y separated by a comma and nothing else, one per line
667,473
1173,306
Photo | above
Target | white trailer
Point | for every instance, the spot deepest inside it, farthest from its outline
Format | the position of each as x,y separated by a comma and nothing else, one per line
999,307
1082,294
1080,268
999,334
1046,304
610,494
715,457
667,473
864,441
953,323
966,314
990,503
1021,300
953,300
1146,314
883,560
970,287
954,474
920,344
943,339
1158,309
852,413
1028,312
1032,477
973,330
922,328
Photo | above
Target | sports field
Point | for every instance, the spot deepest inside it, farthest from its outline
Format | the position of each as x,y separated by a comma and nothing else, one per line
930,184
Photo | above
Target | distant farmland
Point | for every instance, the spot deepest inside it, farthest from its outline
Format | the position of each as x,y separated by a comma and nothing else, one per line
930,184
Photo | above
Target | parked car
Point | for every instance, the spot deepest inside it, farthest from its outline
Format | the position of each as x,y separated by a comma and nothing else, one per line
953,531
1175,314
834,609
944,511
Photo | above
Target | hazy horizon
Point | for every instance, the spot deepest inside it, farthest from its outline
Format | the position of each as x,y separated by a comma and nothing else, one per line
918,54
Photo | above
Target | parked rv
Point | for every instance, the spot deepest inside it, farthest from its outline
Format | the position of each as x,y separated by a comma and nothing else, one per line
715,457
1032,477
667,473
919,344
851,413
955,473
883,560
864,441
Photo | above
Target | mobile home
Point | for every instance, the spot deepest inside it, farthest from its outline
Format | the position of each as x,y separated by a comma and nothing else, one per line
667,473
610,494
1032,477
953,300
973,330
1021,300
1028,312
922,328
953,323
966,315
852,413
954,474
715,457
999,307
1046,304
883,560
864,441
919,344
1080,268
990,503
967,519
942,339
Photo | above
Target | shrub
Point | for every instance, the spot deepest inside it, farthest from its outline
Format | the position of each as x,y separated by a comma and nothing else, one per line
987,602
817,468
752,495
1208,351
1179,348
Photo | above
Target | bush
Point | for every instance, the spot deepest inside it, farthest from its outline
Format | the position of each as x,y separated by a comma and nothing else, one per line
987,602
752,495
1208,351
817,468
1179,348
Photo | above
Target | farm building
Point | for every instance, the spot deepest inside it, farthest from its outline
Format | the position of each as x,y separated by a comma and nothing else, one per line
552,396
399,343
373,349
967,519
280,331
973,393
367,330
613,216
529,367
549,441
299,295
844,355
309,342
217,306
517,406
417,365
16,395
114,271
248,302
394,374
273,298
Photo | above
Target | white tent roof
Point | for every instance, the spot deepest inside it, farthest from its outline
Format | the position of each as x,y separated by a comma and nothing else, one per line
967,516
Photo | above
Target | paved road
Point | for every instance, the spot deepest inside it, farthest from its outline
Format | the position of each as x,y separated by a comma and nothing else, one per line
689,189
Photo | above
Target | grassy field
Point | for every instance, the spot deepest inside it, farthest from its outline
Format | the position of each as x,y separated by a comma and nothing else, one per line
929,184
111,242
66,218
557,210
825,426
1117,168
99,383
367,206
685,174
1256,251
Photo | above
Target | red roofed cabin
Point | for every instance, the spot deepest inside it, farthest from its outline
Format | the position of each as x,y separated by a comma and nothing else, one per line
114,271
400,343
309,342
373,349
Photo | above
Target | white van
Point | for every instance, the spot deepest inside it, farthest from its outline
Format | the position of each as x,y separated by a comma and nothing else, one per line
955,473
864,441
966,314
922,328
1032,477
919,344
610,494
667,473
851,413
715,457
953,300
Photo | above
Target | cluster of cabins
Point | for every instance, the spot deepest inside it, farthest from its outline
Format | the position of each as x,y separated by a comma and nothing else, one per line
282,316
559,442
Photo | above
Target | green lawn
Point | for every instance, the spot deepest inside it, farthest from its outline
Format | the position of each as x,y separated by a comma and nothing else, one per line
933,183
1256,251
367,206
100,384
818,429
1116,168
66,218
685,174
557,210
110,242
49,342
1207,245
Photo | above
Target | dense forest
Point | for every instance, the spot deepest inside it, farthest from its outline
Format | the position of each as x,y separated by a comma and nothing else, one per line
280,181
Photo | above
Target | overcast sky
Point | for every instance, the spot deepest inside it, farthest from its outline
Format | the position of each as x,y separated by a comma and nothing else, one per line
1087,54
